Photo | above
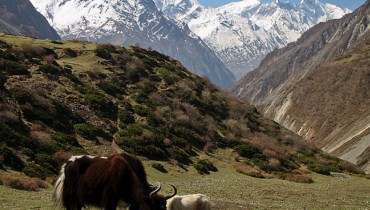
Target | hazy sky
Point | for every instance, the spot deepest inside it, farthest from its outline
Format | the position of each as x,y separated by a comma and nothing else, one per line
351,4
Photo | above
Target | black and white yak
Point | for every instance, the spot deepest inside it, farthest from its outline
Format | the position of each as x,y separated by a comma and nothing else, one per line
116,181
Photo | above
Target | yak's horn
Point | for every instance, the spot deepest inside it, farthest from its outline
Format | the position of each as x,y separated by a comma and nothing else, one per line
174,193
156,190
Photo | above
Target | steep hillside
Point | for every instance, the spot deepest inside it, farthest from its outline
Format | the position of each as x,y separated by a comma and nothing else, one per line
134,23
19,17
241,33
308,89
336,100
81,97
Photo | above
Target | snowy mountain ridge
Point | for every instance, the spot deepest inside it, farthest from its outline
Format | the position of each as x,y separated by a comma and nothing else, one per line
132,22
242,33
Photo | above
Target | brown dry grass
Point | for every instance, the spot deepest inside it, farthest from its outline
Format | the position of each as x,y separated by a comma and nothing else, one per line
22,182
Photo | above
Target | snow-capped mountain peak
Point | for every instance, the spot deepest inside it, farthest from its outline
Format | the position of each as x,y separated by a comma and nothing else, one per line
242,33
130,22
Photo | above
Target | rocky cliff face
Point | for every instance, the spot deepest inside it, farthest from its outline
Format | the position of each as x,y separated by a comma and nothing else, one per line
316,86
19,17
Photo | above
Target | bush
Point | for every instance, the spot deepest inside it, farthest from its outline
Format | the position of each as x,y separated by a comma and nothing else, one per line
6,54
22,182
65,139
320,169
126,117
49,69
204,167
178,154
107,46
46,161
33,170
140,97
142,110
69,52
56,42
86,131
159,167
101,104
299,178
132,130
246,150
13,68
103,53
248,170
110,88
153,152
167,76
10,158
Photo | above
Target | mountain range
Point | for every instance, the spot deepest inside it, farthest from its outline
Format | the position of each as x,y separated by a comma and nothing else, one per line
242,33
21,18
319,86
222,43
134,23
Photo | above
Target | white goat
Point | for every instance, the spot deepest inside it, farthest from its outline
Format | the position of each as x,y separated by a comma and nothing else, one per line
189,202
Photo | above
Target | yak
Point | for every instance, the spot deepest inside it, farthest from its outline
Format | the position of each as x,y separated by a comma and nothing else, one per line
119,180
189,202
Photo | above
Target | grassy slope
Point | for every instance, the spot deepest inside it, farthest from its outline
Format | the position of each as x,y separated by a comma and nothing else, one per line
229,190
226,188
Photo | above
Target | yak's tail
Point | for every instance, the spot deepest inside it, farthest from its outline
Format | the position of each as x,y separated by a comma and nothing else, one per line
59,184
58,188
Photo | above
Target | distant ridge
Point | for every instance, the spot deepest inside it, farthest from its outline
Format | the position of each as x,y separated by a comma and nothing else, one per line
19,17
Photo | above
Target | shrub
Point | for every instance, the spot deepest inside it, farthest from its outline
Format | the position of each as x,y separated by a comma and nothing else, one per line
33,170
101,104
56,42
107,46
10,158
103,53
13,68
126,117
6,54
142,110
69,52
140,97
132,130
22,182
204,167
319,169
65,139
159,167
178,154
248,170
49,69
167,76
152,152
110,88
37,114
86,131
246,150
29,51
299,178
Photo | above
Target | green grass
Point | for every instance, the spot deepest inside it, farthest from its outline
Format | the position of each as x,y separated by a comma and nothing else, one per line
229,190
